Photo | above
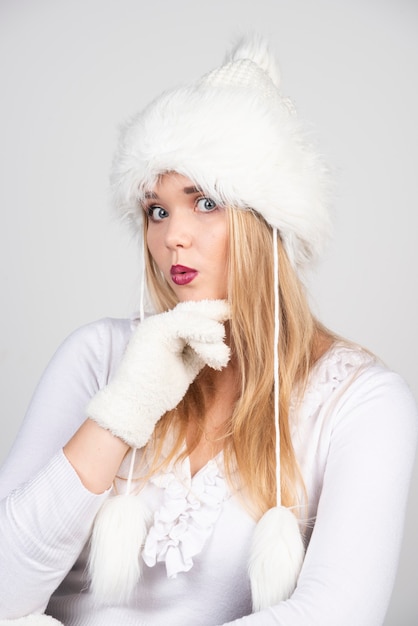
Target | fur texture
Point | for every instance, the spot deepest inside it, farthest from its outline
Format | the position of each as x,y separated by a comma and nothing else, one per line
276,558
163,357
235,136
119,533
36,619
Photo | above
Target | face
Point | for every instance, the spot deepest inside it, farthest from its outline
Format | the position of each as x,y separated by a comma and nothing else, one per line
187,237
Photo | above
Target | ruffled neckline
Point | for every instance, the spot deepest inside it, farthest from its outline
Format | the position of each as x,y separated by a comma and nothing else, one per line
191,505
190,508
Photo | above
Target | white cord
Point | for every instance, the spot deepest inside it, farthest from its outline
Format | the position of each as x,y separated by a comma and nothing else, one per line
141,319
276,364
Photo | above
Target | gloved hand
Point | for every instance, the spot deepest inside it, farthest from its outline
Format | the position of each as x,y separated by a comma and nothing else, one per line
164,355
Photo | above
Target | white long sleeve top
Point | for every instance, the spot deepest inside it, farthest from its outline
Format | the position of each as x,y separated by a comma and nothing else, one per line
354,435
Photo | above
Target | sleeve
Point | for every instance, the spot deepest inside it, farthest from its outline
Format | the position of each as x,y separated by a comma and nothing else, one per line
351,561
44,525
45,511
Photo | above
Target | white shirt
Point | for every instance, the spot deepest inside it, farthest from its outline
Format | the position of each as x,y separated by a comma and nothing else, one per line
354,437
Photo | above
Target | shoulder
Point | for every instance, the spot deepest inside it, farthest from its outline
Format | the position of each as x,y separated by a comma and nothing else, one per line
349,385
383,397
371,396
105,332
355,413
97,346
351,370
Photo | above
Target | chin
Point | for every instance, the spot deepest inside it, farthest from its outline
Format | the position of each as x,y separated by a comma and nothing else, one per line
197,296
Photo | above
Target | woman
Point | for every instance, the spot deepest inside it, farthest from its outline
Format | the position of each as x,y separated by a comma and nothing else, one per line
232,460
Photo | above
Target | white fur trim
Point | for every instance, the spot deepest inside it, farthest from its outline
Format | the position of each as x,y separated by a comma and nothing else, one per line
119,533
234,135
276,558
36,619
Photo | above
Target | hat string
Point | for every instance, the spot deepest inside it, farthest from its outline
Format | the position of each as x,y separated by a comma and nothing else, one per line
276,363
141,319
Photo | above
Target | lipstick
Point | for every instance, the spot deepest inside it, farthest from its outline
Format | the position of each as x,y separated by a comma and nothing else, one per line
182,275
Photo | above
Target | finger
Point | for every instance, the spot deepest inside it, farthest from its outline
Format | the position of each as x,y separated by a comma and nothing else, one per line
216,355
193,363
194,327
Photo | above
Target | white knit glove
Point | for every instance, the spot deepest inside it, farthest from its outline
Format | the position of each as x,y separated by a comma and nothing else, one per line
164,355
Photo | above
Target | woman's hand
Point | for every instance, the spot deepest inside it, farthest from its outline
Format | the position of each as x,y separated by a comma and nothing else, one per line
164,355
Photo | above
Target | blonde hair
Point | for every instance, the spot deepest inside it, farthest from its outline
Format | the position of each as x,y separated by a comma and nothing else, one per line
250,446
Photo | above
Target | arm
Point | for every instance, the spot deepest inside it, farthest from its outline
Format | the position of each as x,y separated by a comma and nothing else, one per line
351,561
81,366
124,409
46,512
96,455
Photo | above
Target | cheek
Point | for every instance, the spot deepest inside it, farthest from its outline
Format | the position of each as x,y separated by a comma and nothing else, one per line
220,246
153,243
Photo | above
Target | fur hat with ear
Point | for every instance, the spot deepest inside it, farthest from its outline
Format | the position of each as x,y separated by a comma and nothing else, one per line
237,138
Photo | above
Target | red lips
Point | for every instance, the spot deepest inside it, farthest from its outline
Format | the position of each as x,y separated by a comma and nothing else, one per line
182,275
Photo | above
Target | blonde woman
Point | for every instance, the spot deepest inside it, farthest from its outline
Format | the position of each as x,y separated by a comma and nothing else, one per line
223,458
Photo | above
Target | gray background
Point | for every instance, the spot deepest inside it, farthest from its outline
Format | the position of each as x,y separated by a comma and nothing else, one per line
72,70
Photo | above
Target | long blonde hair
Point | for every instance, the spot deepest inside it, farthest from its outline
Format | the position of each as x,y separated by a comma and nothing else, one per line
250,446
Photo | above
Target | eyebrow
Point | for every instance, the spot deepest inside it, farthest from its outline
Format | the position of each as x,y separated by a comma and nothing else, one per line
193,189
187,190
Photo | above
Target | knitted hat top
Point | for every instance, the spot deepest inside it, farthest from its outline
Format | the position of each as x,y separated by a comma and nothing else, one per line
238,139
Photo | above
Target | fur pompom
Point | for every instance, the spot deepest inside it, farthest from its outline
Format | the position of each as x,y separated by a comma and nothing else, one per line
118,535
276,558
36,619
255,48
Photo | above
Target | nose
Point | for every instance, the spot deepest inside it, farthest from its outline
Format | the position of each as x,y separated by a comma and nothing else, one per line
178,232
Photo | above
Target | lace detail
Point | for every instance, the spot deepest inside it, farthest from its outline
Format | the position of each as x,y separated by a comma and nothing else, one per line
336,369
187,515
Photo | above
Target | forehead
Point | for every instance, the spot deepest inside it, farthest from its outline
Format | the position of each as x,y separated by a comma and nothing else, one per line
175,182
171,182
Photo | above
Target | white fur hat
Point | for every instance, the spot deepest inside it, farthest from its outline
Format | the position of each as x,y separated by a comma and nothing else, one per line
237,138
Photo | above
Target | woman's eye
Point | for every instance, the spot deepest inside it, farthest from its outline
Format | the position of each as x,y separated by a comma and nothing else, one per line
156,213
206,204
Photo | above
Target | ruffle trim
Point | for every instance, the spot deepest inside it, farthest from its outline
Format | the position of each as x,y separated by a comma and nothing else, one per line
192,505
185,520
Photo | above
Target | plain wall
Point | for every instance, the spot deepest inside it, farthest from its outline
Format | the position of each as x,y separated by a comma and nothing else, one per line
72,71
